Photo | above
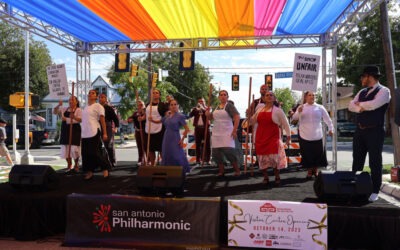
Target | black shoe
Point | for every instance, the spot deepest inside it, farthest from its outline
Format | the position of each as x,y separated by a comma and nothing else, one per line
72,172
88,178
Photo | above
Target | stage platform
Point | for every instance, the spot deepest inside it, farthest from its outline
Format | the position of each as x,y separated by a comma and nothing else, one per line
30,214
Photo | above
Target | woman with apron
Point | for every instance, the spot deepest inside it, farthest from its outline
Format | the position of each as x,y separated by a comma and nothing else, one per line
72,112
269,146
226,120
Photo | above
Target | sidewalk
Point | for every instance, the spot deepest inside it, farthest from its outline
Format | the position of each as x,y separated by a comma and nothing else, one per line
55,161
389,188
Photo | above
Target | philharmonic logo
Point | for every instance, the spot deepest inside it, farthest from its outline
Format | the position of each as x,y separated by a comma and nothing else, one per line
101,218
268,207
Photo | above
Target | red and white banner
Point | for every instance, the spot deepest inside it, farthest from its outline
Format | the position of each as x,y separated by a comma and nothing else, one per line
277,224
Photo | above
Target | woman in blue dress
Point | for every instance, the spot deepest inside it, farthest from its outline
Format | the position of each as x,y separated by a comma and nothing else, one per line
172,145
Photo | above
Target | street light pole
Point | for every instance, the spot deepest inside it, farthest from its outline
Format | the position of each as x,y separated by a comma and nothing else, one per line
27,158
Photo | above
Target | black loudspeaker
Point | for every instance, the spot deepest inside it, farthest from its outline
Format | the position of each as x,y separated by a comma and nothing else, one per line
343,185
30,177
160,178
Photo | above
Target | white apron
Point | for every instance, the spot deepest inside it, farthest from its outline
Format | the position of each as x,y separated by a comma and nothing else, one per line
155,127
222,131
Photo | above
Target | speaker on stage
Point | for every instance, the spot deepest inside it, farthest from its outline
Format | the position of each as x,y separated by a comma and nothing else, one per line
343,185
150,178
33,177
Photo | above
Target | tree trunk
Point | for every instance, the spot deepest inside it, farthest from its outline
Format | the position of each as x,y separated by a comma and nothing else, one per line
391,78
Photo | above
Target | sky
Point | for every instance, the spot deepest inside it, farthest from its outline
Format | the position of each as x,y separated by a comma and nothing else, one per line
222,65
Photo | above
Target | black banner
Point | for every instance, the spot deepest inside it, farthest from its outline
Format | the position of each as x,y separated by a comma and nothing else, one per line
126,221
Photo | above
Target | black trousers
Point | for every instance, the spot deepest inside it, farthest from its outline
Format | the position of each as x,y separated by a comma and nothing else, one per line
369,140
109,144
92,156
139,135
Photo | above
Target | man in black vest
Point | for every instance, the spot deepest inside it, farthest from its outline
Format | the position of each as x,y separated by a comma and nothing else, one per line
370,106
200,136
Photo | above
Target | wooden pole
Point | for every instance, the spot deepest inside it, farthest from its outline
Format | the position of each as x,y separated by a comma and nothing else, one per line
252,147
144,160
206,127
248,125
153,85
71,116
149,127
391,79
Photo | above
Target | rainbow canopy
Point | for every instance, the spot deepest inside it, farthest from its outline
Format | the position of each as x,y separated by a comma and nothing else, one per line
104,21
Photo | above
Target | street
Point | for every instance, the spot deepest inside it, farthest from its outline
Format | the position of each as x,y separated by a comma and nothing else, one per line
128,153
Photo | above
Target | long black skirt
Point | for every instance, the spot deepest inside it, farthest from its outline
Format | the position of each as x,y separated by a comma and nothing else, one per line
313,153
92,156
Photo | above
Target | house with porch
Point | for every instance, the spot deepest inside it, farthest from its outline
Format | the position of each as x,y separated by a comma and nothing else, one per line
344,96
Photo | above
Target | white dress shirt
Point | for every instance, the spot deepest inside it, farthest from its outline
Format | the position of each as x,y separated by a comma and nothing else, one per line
310,120
381,98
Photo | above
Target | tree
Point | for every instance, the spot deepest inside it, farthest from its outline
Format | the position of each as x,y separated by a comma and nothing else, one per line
12,66
185,86
364,47
190,85
287,97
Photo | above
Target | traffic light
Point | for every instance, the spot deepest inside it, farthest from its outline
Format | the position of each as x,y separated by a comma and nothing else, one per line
17,100
235,82
122,59
134,70
268,82
186,59
154,80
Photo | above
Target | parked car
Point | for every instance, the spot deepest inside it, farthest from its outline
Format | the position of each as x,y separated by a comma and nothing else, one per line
346,128
36,137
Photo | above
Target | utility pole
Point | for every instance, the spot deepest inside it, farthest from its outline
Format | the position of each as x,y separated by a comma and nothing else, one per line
149,74
391,79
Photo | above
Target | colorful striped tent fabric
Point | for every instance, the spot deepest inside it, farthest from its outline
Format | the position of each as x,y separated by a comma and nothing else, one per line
144,20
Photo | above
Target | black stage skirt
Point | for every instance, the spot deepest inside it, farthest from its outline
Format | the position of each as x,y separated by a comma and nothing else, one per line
76,134
155,140
313,153
92,156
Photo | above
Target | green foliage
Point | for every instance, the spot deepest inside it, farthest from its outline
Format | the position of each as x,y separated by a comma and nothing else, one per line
318,96
185,86
385,169
12,66
363,47
287,97
190,85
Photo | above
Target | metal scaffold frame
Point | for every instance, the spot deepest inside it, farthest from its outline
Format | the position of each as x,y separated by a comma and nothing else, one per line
344,24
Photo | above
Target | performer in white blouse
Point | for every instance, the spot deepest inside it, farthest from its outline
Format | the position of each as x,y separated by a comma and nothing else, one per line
92,123
310,116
